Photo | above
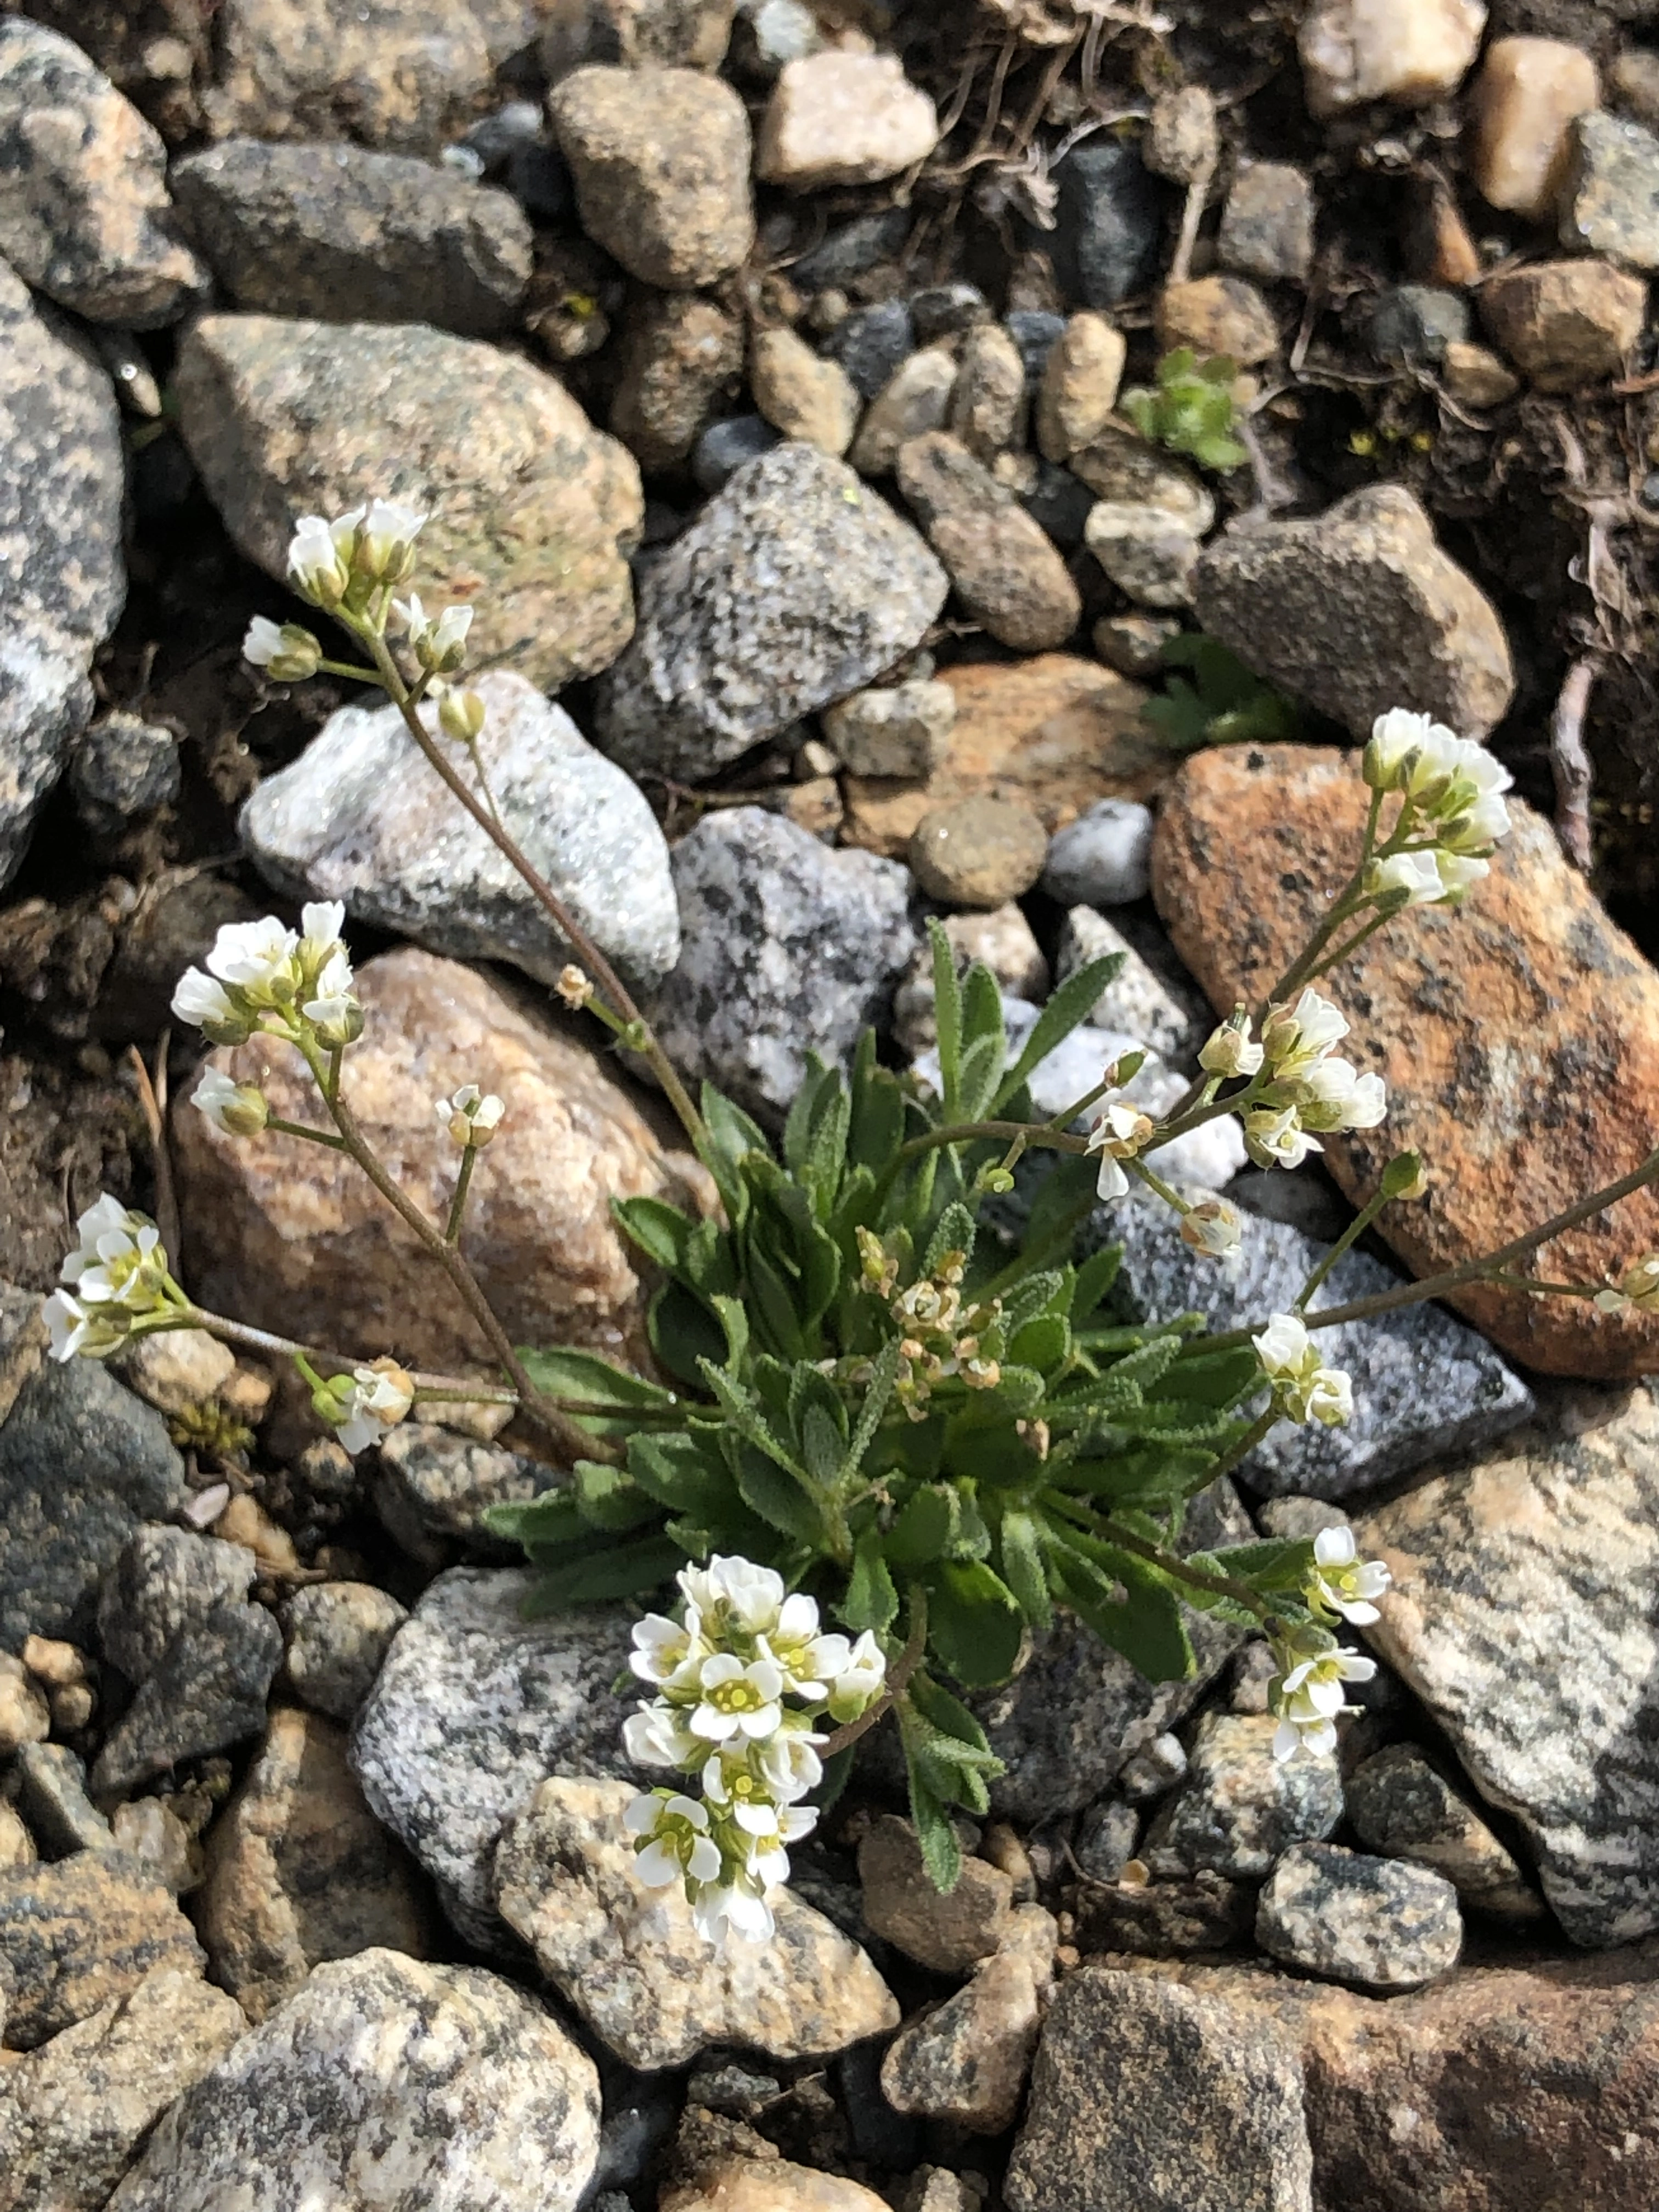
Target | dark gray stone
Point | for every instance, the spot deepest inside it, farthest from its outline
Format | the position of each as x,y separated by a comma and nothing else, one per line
1036,333
61,578
445,1482
207,1693
1106,1837
122,767
724,447
1404,1807
1414,324
1377,1924
82,1462
1108,223
795,586
1060,504
872,343
787,947
1148,2096
473,1707
344,234
166,1580
1168,1919
1242,1807
852,250
940,310
1424,1383
51,1790
337,1637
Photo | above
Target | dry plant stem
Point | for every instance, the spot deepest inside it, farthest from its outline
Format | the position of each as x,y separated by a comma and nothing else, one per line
1196,1578
897,1680
554,908
153,1099
1192,214
1571,762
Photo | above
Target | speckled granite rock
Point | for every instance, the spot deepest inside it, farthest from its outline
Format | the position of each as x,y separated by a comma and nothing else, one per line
680,353
795,586
347,236
207,1693
1519,1039
83,196
660,159
788,948
1240,1807
302,1243
1150,2097
361,816
965,2063
52,1790
383,2083
1139,1001
82,1462
1403,1807
337,1637
442,1484
61,577
1379,1923
1358,610
1513,1617
473,1706
533,511
165,1581
73,2112
634,1965
79,1933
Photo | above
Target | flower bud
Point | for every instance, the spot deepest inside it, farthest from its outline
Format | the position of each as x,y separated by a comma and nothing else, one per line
287,653
1230,1050
315,567
461,715
238,1108
573,986
472,1117
1404,1176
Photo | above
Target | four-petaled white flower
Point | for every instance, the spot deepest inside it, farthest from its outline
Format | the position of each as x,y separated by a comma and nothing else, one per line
722,1909
1275,1137
1310,1696
668,1651
1213,1227
1118,1133
770,1830
77,1328
1415,873
738,1700
672,1841
239,1109
1303,1390
656,1735
1335,1095
1296,1037
1230,1050
1345,1583
257,957
437,642
472,1117
860,1682
1396,738
315,567
115,1279
377,1400
378,539
752,1596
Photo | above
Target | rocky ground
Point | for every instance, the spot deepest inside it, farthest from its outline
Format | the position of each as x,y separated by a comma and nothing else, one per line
760,366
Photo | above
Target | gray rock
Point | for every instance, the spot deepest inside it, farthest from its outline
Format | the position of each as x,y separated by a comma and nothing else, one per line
1610,199
681,354
61,578
1405,1808
361,816
51,1788
1103,858
1138,1001
83,196
950,1932
472,1707
724,447
1168,1919
903,729
1008,574
1242,1807
631,1961
1155,1770
1133,644
337,1637
1108,223
344,234
82,1462
989,411
1106,1838
445,1483
788,947
533,512
1036,333
1513,1621
1149,555
121,767
965,2063
872,344
1415,323
852,250
794,587
165,1581
1267,224
383,2083
74,1935
1424,1382
1150,2097
207,1693
1375,1923
1060,508
916,399
943,311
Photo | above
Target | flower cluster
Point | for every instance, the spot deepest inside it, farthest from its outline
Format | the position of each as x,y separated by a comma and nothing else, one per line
1307,1692
1307,1091
1302,1390
939,1336
296,984
342,566
742,1680
1454,789
116,1279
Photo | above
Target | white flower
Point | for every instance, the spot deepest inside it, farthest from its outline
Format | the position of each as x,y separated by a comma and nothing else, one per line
1118,1134
1457,872
656,1735
1476,830
751,1595
1302,1390
788,1762
672,1841
334,1010
314,566
1275,1137
118,1260
1335,1095
1213,1227
239,1109
205,1003
668,1652
440,646
257,956
738,1700
1429,777
1230,1050
75,1328
860,1682
471,1116
770,1830
1414,873
723,1909
377,1400
286,653
1296,1038
1345,1583
382,539
1395,737
1309,1697
321,922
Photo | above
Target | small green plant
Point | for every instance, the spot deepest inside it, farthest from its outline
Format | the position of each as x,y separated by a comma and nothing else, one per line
1191,410
1225,703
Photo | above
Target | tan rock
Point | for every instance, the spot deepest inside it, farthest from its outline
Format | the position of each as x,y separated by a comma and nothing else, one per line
637,33
1633,84
748,2184
1565,324
16,1850
1005,570
801,393
1181,140
1217,315
1522,105
916,398
680,352
73,2112
1056,732
1410,51
246,1522
50,1660
843,119
81,1932
1267,224
1443,252
24,1717
299,1870
633,1964
1475,377
1519,1040
150,1830
179,1368
978,851
298,1241
988,403
1403,1806
394,74
1081,383
965,2064
1125,470
949,1931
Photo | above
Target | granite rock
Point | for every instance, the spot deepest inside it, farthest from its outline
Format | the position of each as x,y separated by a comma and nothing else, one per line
1356,610
1379,1923
794,587
1267,224
680,353
442,1484
1144,1003
872,344
1404,1807
533,512
1610,198
634,34
79,1933
343,234
166,1580
337,1637
120,768
903,729
1411,53
84,214
1079,387
207,1694
1103,859
632,1963
987,403
738,2184
25,1716
1241,1807
965,2063
472,1707
307,1247
1565,324
788,948
383,2083
51,1790
660,159
843,119
1007,574
361,816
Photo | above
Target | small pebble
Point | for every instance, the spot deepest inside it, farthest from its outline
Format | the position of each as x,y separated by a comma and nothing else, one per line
245,1521
1153,1769
337,1635
1103,858
55,1663
1267,224
1379,1924
1106,1838
1610,201
940,310
1217,315
872,344
24,1717
902,730
1522,104
1475,377
17,1845
1412,51
917,399
801,393
978,852
988,403
1133,644
1633,84
1413,324
843,119
152,1831
1080,385
52,1798
1565,324
724,447
72,1707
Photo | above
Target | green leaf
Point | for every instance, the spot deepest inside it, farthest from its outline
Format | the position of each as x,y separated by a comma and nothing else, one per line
1143,1624
1070,1006
622,1570
954,1233
1278,1563
781,1500
798,1126
745,1418
618,1396
947,1005
872,1600
1023,1568
684,1471
941,1850
661,1232
609,1499
982,1064
1043,1342
731,1137
884,1373
878,1116
550,1520
1095,1277
683,1332
734,1324
1213,1378
922,1529
973,1622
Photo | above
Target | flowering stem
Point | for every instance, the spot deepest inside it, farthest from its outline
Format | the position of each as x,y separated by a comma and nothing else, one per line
898,1679
353,675
1172,1563
1155,1183
1346,952
1355,1230
457,1204
433,1386
554,908
312,1136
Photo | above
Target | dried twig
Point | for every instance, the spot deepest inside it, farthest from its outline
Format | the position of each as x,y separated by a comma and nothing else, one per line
1571,762
153,1098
